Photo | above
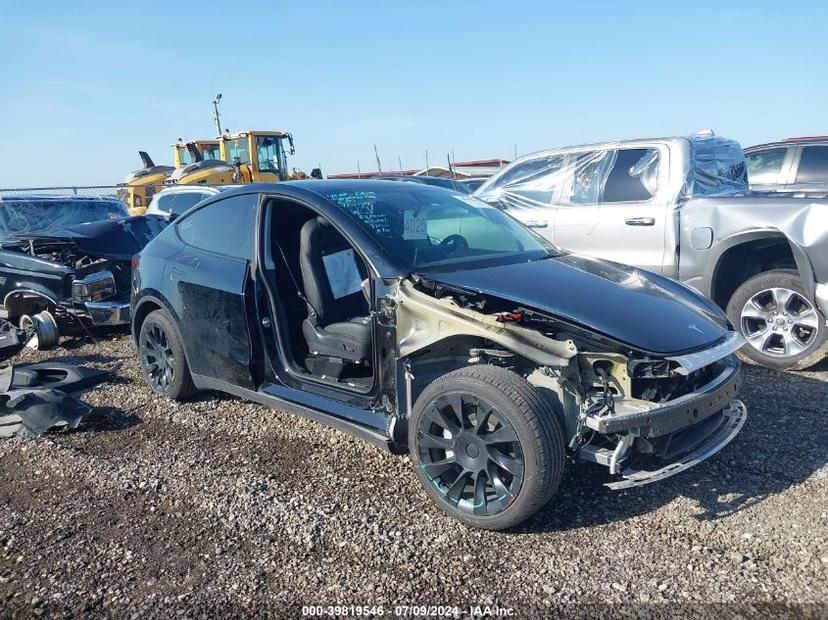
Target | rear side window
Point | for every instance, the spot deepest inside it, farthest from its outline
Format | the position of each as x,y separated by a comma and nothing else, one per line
226,226
180,203
813,165
764,168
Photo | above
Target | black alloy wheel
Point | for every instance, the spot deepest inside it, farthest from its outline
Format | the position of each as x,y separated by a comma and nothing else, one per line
162,357
157,358
470,453
486,446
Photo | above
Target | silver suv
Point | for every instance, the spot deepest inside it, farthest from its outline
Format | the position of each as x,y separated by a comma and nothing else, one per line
796,166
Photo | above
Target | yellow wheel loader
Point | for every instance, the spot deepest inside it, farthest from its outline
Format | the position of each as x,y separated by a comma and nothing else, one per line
257,156
183,156
140,185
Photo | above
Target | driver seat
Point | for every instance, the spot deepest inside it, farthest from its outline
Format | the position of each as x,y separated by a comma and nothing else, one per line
338,325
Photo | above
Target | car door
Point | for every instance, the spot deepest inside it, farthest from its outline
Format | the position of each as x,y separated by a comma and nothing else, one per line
211,276
610,205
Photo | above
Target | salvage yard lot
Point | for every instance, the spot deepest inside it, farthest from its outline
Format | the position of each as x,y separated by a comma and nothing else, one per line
223,506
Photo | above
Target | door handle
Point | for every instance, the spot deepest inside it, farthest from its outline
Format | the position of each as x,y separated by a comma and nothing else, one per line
640,221
536,223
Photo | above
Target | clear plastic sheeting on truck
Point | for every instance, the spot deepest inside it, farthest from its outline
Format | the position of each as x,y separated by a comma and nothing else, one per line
717,167
568,176
615,172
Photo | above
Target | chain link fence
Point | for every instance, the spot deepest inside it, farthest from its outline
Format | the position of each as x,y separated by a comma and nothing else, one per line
131,196
99,191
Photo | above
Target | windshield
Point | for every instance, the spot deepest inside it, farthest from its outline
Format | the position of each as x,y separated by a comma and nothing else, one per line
237,151
428,229
183,155
271,154
210,151
20,216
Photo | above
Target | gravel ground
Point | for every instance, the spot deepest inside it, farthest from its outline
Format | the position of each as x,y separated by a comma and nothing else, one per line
223,507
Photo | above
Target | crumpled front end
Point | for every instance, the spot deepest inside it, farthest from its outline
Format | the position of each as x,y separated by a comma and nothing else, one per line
648,419
101,298
642,415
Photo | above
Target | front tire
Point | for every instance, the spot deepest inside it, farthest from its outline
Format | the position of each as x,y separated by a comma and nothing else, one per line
783,327
486,446
162,357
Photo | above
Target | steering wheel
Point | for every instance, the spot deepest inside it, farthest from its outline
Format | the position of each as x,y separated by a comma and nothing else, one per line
454,244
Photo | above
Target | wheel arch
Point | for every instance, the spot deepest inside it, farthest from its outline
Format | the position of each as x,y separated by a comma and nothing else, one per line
146,304
748,254
20,300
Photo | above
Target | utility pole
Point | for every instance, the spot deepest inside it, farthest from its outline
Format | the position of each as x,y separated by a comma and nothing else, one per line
451,170
399,161
359,171
426,161
216,116
379,165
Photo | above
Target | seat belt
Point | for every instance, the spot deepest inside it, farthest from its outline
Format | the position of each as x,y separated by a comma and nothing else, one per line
299,291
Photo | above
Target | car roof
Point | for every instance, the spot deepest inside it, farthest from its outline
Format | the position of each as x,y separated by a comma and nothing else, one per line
211,189
791,142
320,186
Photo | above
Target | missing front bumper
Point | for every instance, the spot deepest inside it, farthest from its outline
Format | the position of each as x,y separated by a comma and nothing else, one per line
694,447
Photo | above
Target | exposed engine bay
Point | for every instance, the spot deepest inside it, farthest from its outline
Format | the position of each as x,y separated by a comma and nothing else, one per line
67,253
641,415
78,275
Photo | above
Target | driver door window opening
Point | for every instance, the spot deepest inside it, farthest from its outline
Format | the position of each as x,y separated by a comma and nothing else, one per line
323,298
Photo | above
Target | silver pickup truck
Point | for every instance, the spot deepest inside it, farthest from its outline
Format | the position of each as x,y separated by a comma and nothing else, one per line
681,207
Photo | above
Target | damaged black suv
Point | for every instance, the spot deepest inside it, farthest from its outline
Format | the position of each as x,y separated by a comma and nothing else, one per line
65,260
422,319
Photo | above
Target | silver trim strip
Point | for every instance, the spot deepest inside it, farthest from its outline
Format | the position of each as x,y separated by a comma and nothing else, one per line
693,361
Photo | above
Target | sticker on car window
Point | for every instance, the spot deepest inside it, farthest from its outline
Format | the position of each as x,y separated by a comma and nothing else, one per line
415,225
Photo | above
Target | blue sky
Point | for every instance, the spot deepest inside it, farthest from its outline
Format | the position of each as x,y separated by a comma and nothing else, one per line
85,85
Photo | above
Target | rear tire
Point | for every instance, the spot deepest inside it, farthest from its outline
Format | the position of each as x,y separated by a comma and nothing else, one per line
784,329
499,461
162,357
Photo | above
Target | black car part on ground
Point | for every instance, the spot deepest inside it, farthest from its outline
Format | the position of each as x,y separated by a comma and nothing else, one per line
35,397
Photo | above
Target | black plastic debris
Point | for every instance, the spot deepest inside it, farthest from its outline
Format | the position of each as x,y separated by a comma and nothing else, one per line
29,413
35,398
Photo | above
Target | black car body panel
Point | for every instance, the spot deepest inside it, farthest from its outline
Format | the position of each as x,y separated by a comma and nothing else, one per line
649,312
113,239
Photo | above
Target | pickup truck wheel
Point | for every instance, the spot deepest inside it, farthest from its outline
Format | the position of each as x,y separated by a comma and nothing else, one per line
783,328
486,446
162,357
